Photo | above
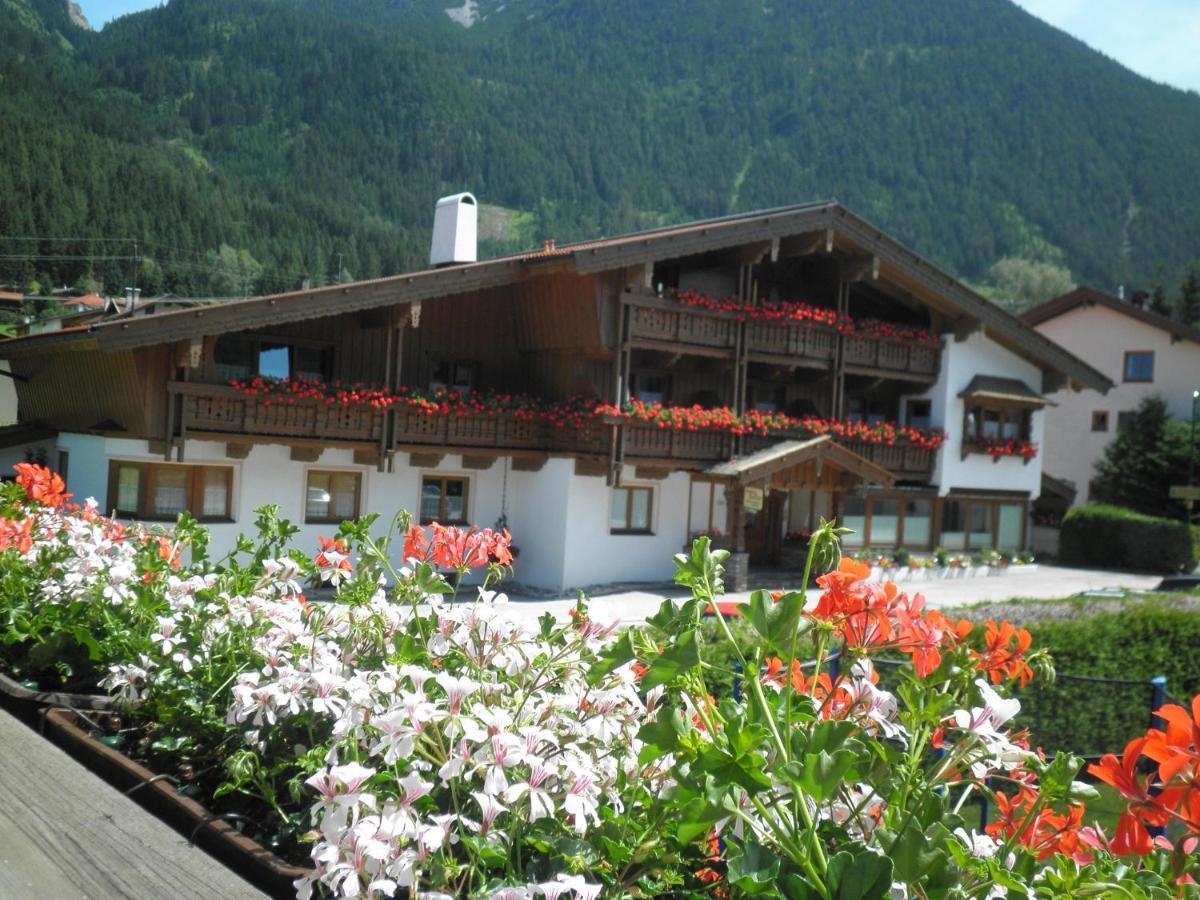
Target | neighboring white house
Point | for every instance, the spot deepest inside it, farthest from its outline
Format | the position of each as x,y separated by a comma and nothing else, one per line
1143,353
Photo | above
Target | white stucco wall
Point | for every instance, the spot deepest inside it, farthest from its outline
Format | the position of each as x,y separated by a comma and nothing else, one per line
8,396
1102,336
558,519
593,556
962,361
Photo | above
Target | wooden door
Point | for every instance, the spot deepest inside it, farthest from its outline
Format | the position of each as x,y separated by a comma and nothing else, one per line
764,530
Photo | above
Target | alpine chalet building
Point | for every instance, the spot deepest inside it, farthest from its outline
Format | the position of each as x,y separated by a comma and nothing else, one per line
606,400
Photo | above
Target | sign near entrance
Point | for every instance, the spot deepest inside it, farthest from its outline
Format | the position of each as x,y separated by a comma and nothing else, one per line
752,499
1184,492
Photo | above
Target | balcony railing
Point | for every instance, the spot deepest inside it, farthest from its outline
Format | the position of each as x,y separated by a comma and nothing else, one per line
221,409
664,322
656,321
895,355
805,340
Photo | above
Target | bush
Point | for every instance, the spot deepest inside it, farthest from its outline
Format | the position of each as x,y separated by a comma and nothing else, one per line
1113,537
1135,644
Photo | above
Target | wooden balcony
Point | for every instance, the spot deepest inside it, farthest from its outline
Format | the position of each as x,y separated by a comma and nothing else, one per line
221,410
655,323
904,462
471,433
813,343
649,442
904,358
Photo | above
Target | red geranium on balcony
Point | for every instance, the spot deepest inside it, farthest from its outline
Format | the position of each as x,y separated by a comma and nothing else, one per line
998,448
797,312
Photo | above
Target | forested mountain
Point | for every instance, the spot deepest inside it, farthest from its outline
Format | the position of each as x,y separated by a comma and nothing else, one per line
248,144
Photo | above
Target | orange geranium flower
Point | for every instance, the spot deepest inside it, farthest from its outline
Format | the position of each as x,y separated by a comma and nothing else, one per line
18,535
1004,653
1046,834
41,484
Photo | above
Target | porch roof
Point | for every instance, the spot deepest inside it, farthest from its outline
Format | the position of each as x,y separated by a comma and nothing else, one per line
787,455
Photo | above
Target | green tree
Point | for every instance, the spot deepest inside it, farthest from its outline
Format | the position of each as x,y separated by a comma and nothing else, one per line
1147,457
1189,294
233,273
1024,283
1159,302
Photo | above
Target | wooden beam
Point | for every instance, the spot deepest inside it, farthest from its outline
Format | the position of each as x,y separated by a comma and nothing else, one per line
528,463
307,454
158,448
862,268
650,473
366,457
591,468
806,244
965,327
478,462
425,460
238,450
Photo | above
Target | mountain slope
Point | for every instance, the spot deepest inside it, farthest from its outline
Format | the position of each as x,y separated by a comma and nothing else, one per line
305,130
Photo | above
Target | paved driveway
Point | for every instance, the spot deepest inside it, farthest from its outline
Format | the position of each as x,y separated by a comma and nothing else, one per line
634,604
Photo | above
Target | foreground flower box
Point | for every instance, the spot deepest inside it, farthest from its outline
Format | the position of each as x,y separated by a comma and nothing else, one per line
27,703
158,794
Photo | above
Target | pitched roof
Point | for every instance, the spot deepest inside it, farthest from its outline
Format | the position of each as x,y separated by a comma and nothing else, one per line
766,462
586,257
11,298
1008,390
1086,296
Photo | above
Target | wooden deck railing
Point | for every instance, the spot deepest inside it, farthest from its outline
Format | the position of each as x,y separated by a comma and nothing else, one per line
893,355
665,322
659,322
221,409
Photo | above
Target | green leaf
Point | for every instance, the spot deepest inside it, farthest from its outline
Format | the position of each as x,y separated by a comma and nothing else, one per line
680,657
752,868
662,735
776,622
613,657
858,876
701,570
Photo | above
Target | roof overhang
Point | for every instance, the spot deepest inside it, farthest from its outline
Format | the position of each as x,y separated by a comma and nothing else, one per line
819,227
766,464
1003,392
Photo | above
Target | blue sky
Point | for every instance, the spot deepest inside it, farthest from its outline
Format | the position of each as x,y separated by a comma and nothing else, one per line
1156,38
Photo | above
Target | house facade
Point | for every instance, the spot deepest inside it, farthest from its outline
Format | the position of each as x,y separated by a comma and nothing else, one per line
606,400
1143,353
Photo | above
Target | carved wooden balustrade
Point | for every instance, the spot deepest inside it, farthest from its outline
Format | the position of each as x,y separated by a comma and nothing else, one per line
655,322
223,410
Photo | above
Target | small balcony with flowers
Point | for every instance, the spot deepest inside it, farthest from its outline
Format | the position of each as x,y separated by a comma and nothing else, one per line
998,419
801,333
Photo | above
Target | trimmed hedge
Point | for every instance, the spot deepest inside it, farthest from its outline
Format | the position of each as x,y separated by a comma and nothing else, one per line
1136,644
1116,538
1141,641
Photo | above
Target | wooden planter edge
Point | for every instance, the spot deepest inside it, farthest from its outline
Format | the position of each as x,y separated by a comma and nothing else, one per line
158,795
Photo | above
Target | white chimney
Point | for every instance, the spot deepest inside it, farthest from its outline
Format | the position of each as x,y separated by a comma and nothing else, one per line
455,219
